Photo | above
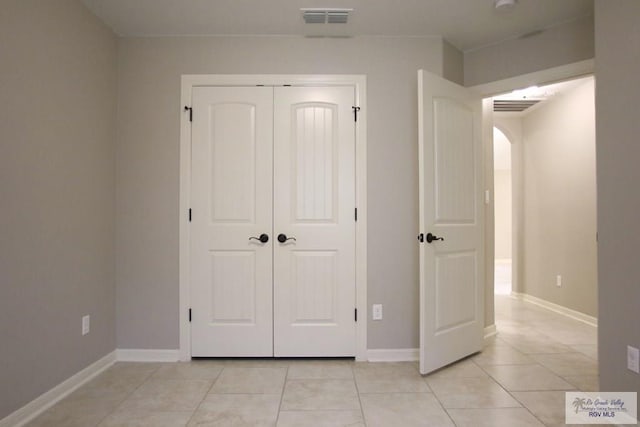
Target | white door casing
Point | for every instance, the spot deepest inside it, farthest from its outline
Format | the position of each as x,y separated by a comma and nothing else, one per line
315,169
450,189
232,186
314,203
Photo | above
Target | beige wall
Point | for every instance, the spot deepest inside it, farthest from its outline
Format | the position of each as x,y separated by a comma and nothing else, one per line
502,200
560,200
559,45
618,154
57,121
148,168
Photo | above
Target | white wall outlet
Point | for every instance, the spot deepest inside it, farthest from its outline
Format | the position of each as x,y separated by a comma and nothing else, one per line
377,312
86,324
559,280
633,359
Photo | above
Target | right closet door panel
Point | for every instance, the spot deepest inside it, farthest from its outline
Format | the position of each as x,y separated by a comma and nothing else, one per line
314,203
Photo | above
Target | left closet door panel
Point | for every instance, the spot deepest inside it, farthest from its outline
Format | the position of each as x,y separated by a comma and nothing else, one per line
232,188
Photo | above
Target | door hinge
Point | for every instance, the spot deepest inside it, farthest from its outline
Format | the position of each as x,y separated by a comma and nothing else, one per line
189,214
355,113
356,214
190,110
189,315
355,314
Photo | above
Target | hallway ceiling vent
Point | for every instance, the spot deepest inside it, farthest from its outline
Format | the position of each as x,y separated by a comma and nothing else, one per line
326,16
513,106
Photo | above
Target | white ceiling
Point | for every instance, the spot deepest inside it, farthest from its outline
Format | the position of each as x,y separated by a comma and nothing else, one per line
467,24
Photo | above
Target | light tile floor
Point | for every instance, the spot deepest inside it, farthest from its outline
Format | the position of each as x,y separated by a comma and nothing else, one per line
519,379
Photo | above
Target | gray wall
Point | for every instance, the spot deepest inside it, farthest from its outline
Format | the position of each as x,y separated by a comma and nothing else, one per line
512,128
452,63
57,121
559,45
148,169
618,153
560,200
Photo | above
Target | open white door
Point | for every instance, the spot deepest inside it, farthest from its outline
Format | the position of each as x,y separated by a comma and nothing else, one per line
450,190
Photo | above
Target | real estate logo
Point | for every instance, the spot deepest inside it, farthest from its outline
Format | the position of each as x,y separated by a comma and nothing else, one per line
601,408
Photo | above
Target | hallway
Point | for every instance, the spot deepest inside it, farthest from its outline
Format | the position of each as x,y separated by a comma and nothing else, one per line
519,379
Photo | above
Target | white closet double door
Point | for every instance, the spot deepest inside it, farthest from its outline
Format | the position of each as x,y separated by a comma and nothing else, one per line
271,162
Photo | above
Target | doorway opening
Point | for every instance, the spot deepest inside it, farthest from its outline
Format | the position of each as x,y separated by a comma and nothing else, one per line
502,189
544,172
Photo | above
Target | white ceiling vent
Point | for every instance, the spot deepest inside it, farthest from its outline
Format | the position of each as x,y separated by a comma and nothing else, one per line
326,16
513,105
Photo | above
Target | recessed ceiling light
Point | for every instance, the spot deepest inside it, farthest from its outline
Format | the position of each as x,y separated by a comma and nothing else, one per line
531,91
504,5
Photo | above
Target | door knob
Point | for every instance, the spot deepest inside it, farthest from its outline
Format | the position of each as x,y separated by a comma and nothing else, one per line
432,237
283,238
264,238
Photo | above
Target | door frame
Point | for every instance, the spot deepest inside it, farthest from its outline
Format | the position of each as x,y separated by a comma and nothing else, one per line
188,82
487,90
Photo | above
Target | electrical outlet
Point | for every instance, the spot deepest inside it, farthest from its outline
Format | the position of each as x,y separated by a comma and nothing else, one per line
559,281
377,312
633,359
86,324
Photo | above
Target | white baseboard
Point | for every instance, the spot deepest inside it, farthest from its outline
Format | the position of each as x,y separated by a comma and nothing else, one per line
135,355
573,314
37,406
490,331
393,355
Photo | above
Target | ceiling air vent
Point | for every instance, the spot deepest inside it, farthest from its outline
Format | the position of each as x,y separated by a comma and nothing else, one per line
337,17
513,106
326,16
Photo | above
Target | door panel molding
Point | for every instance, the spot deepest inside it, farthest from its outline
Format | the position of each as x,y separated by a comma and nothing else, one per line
188,83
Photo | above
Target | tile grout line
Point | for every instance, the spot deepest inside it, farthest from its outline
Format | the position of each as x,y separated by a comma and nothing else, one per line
446,411
127,396
193,414
355,383
284,385
522,405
